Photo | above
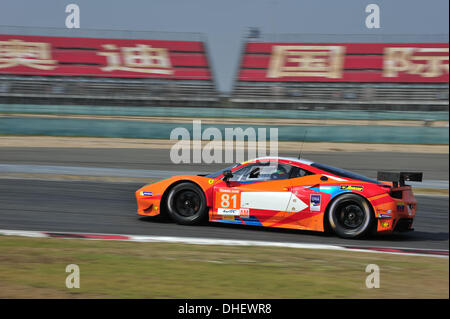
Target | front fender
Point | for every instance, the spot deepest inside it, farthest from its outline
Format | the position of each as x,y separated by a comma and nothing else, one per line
149,197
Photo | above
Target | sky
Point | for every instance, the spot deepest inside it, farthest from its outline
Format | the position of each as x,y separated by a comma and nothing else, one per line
225,23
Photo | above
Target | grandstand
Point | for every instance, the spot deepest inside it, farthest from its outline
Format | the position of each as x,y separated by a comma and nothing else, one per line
358,72
107,68
295,71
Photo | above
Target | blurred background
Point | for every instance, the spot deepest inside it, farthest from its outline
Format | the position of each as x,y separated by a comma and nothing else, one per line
342,74
87,108
327,68
315,81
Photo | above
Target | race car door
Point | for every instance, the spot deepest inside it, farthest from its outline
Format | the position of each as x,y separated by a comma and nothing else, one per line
257,194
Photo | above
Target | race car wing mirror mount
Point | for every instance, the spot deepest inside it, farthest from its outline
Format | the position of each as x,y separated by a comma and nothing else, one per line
227,175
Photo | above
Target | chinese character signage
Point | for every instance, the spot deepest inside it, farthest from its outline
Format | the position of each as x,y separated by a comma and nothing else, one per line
308,61
34,55
301,62
141,58
352,62
423,62
103,57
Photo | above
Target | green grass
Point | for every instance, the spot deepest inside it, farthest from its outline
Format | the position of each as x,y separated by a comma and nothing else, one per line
35,268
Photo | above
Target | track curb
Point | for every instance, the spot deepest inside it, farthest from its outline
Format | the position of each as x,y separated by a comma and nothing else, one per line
224,242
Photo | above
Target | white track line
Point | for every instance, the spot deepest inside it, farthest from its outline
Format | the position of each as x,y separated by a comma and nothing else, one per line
210,241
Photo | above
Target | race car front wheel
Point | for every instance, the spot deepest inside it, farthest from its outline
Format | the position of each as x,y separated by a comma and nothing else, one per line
350,216
186,204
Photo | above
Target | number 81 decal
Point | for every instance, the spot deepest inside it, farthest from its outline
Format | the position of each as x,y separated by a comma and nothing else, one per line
225,201
228,202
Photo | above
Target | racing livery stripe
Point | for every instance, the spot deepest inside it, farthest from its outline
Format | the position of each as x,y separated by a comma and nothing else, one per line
294,218
385,198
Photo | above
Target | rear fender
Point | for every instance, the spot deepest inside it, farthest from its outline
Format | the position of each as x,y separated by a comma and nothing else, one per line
335,198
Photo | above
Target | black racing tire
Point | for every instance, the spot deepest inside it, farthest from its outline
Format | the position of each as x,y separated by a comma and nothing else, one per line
350,216
186,204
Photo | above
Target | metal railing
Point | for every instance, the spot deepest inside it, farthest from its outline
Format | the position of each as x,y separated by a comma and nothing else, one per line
357,95
99,90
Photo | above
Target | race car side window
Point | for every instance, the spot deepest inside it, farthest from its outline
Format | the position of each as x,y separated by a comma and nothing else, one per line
259,172
300,172
238,174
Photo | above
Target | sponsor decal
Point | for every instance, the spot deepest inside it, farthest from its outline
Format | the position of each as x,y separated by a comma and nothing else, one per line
245,212
211,181
147,194
382,213
400,206
315,200
384,224
226,190
227,217
228,211
352,188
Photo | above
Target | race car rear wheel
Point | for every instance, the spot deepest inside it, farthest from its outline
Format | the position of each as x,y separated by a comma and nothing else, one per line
186,204
350,216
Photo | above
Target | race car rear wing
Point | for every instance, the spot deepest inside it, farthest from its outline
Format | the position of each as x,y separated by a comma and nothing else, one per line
398,179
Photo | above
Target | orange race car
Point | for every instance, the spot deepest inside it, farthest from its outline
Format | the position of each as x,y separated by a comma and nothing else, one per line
287,193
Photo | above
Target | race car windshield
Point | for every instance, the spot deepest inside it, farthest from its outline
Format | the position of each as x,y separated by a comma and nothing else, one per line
214,175
344,173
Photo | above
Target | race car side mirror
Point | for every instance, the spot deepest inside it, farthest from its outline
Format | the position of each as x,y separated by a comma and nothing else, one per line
227,175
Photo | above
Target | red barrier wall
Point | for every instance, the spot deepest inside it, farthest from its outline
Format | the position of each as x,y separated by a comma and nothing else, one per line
62,56
345,62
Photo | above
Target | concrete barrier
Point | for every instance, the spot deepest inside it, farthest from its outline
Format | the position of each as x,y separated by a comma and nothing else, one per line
220,112
140,129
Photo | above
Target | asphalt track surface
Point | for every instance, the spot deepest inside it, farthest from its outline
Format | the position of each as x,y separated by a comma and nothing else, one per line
101,207
110,208
433,166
